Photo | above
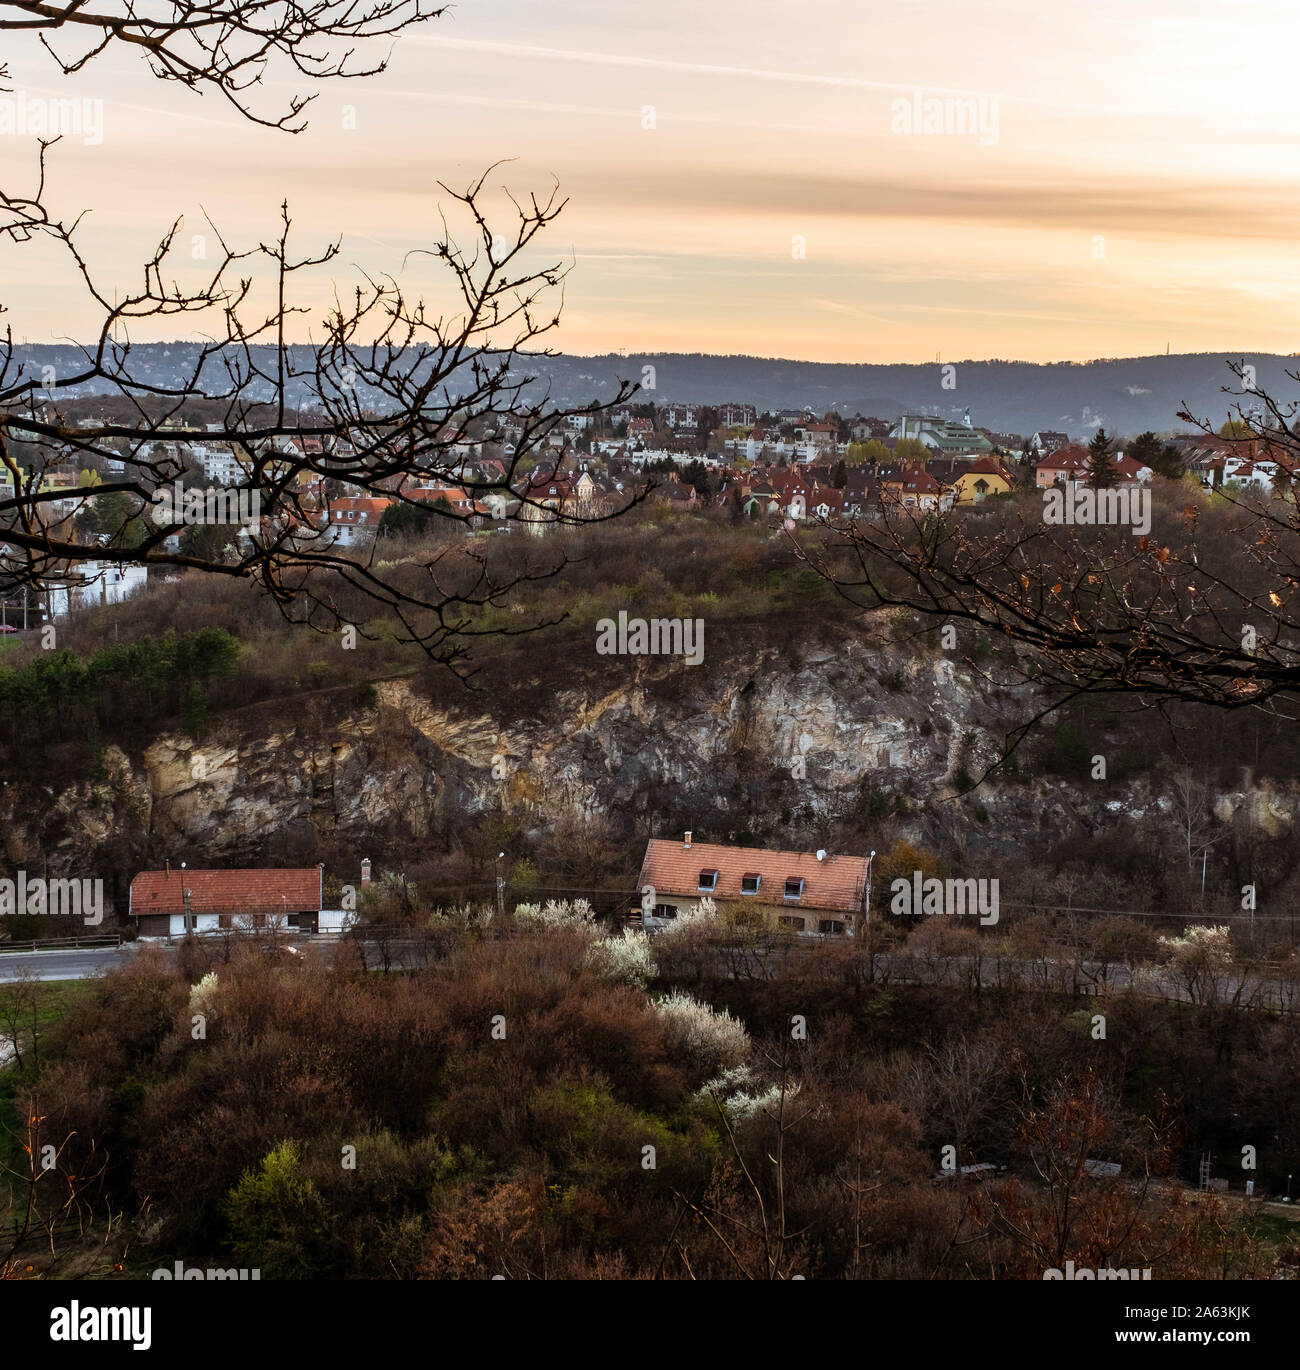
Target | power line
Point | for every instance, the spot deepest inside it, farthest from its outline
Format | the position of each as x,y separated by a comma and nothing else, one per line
630,890
1146,913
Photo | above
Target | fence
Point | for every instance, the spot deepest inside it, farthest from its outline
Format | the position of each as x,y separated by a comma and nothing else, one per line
63,943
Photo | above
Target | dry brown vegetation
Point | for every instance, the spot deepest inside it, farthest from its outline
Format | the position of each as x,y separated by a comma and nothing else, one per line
523,1152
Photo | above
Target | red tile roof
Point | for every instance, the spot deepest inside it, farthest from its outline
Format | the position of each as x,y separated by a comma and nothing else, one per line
1066,459
989,466
357,509
451,493
836,884
242,891
1127,468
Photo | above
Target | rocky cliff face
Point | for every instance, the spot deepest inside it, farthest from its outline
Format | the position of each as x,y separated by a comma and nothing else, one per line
771,744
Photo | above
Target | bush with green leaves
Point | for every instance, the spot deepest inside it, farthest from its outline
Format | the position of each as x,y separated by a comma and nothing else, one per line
276,1216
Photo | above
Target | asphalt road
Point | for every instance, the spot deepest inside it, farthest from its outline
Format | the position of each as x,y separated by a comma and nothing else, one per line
77,963
82,963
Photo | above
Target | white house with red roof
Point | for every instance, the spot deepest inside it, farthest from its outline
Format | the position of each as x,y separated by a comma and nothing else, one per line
172,902
914,487
354,519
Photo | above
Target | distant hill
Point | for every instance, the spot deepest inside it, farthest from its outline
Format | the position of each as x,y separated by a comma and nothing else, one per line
1126,395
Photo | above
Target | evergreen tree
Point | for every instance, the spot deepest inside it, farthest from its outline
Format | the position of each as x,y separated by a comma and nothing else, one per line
194,710
1170,463
1163,458
1101,469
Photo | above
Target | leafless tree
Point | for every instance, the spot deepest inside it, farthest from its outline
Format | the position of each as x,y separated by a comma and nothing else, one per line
49,1188
1203,608
758,1241
1192,820
378,400
226,46
19,1021
955,1085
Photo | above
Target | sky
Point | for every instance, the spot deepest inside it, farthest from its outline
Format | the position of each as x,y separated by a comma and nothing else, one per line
746,176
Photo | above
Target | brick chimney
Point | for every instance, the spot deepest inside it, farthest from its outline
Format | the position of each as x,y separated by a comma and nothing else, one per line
365,873
686,841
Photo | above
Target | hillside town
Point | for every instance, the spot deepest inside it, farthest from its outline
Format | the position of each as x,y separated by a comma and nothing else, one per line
786,464
648,645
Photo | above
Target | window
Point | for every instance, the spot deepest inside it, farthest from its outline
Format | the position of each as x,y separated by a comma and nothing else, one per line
708,880
749,883
665,911
830,925
789,921
793,887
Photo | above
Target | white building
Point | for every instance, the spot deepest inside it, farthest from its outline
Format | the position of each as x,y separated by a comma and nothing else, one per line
94,583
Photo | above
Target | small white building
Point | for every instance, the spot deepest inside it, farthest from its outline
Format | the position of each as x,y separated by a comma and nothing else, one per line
94,583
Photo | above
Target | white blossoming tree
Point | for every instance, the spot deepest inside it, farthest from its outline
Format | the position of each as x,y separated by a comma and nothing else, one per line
1200,962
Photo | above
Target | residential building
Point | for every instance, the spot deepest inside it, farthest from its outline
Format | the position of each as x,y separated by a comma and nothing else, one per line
91,583
914,488
1064,465
811,892
354,520
980,479
942,435
1045,442
172,902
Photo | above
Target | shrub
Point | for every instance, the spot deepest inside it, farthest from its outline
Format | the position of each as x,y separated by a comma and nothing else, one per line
556,913
203,995
706,1039
702,918
275,1215
627,958
742,1095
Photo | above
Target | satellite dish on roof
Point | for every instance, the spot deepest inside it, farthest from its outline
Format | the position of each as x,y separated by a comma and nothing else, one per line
821,853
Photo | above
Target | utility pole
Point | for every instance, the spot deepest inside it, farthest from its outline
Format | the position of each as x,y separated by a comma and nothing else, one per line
866,898
501,887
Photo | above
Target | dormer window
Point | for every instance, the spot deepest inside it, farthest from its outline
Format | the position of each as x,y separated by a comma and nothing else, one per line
708,880
749,883
793,887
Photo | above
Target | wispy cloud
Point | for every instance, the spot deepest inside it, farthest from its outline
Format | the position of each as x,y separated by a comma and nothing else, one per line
534,52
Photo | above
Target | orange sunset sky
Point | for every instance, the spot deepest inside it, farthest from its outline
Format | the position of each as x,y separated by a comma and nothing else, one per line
1136,183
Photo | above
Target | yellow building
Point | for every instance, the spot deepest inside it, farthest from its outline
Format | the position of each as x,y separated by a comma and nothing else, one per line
980,480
